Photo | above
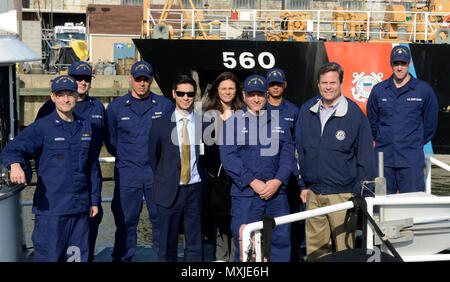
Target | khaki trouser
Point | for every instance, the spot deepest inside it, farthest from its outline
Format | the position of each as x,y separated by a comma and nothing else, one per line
320,230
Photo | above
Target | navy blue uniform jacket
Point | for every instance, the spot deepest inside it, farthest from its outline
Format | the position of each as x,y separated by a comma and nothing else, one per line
92,110
256,148
165,158
68,176
340,158
129,130
288,114
402,122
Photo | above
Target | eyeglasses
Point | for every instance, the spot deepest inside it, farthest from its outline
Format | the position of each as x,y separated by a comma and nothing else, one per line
80,78
181,94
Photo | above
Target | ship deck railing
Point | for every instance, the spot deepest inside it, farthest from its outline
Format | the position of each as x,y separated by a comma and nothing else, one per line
251,234
429,161
309,25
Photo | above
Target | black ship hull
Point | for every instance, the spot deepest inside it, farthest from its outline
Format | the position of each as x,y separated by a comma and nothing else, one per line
364,65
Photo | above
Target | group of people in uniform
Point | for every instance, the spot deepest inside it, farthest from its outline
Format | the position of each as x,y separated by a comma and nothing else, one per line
247,152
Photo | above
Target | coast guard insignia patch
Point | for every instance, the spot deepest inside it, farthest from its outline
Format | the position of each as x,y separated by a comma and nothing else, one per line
364,84
340,135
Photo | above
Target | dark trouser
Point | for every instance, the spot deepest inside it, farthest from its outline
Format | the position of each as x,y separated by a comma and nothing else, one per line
298,241
223,238
94,224
126,207
187,207
60,238
250,209
404,179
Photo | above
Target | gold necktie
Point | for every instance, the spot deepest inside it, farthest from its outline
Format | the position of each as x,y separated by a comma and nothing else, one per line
185,154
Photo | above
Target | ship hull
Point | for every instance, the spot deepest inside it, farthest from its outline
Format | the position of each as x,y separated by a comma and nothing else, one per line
364,64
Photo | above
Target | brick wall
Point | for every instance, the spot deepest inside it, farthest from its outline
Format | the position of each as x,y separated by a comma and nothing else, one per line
114,19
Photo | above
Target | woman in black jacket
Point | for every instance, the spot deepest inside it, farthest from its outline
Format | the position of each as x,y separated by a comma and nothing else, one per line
222,100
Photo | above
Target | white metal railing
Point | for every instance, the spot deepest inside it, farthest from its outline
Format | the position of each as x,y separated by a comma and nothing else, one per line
429,160
313,24
256,227
385,201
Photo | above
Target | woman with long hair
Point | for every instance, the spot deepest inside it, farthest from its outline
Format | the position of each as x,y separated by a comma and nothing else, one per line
222,100
225,95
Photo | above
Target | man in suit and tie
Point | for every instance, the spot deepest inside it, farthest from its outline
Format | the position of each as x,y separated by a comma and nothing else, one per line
176,151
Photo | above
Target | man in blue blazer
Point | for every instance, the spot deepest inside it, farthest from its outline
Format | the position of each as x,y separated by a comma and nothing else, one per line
177,157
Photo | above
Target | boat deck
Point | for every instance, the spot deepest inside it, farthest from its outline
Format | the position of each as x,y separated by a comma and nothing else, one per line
143,254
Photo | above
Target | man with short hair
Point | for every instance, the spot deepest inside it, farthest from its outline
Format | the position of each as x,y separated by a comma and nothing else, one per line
68,186
258,154
276,84
130,119
177,156
335,150
92,110
403,114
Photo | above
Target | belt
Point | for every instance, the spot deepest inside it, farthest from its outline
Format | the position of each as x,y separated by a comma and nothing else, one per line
188,185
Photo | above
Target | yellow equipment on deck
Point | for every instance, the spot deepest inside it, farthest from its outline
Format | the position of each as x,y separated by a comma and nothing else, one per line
293,26
190,19
396,25
80,48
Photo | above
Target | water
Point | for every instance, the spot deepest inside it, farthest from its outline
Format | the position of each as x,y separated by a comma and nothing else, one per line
440,183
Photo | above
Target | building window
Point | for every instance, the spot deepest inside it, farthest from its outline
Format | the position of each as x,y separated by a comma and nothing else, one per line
297,4
197,4
244,4
132,2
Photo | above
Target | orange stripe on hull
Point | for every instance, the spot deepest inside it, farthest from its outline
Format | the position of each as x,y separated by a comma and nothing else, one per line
364,64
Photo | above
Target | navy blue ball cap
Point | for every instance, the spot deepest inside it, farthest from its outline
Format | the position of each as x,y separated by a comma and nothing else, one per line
64,82
255,83
400,54
141,68
80,68
275,75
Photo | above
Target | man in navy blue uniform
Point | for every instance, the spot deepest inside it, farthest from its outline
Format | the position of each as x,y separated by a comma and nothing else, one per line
177,156
68,186
403,114
334,143
93,111
276,84
258,154
129,120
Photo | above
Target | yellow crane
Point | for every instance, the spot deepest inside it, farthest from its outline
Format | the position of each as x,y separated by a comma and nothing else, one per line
165,13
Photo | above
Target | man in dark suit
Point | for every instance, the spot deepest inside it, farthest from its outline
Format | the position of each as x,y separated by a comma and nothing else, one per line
177,158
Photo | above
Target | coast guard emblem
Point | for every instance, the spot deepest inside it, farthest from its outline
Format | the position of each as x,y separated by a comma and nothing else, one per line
340,135
364,84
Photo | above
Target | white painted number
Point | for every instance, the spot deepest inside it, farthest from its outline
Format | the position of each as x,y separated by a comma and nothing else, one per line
246,60
228,60
265,60
271,58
